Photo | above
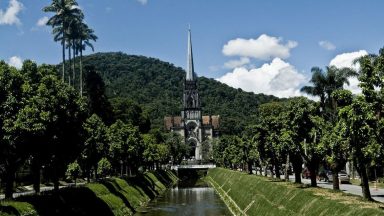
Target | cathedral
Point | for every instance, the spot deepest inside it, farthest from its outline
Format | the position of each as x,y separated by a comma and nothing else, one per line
192,125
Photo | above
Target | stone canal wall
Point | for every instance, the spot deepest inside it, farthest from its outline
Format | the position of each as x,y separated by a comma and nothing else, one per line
255,195
112,196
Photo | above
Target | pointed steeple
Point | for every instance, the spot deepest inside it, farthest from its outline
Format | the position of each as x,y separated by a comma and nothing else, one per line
190,70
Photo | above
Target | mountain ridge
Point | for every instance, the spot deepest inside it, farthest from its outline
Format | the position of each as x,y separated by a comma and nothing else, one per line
157,86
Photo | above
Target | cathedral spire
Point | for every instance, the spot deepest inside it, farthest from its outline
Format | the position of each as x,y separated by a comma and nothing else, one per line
190,70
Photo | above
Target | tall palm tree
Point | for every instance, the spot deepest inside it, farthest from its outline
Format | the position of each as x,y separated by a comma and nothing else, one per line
325,83
319,82
85,36
64,10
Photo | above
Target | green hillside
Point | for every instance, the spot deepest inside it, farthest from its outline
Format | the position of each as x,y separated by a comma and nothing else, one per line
157,86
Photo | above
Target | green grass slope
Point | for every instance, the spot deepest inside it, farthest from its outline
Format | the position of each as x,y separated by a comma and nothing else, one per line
113,196
254,195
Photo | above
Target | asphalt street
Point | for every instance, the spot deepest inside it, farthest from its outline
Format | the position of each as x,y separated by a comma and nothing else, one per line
377,194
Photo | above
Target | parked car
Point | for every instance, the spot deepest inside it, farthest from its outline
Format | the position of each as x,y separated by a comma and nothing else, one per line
323,176
306,174
343,176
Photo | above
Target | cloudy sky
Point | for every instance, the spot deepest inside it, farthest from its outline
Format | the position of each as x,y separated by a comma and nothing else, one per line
260,46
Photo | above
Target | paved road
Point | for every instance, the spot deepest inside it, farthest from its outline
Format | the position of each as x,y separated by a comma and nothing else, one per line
377,194
29,192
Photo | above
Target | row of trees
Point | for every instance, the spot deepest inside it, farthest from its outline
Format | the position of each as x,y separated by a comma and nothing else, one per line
70,29
340,127
46,126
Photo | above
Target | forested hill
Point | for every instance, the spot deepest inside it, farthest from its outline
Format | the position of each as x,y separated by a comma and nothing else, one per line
158,86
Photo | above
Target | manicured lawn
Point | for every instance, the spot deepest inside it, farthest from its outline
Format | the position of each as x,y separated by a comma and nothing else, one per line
263,196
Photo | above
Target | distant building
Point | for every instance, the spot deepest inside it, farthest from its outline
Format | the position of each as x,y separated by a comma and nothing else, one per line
191,125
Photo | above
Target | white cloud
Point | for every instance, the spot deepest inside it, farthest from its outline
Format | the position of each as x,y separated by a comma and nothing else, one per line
42,21
236,63
16,62
327,45
9,16
143,2
277,78
263,48
347,60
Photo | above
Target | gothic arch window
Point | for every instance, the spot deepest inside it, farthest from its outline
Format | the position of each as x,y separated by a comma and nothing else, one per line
190,101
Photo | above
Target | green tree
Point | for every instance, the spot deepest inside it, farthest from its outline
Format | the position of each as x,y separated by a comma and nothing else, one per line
358,124
129,112
178,149
270,119
97,100
73,171
104,167
12,153
298,125
95,145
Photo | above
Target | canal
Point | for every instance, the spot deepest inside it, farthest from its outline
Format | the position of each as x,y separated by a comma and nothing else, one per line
197,201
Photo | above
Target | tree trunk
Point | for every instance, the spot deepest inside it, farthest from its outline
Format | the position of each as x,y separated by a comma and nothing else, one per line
297,168
9,181
36,169
312,173
271,169
121,169
277,171
365,182
69,69
73,64
286,174
55,178
63,66
335,179
95,167
88,175
81,71
249,167
265,170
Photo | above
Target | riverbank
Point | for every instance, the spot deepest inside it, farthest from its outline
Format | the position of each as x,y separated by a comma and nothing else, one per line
110,197
255,195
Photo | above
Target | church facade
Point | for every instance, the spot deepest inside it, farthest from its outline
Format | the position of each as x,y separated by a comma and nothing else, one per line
191,124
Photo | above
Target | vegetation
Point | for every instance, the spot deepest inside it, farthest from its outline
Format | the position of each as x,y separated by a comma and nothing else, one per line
70,30
325,134
157,87
113,196
49,130
254,195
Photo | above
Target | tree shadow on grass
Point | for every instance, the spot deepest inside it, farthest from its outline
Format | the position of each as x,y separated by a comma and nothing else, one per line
9,210
142,182
115,188
69,201
163,177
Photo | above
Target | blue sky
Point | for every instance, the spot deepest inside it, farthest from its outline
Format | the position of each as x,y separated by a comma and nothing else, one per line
260,46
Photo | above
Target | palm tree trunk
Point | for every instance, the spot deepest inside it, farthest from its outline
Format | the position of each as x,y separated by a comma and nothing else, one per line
70,62
63,43
81,71
73,63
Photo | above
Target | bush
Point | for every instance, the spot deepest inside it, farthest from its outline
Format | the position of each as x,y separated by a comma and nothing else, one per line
104,167
73,171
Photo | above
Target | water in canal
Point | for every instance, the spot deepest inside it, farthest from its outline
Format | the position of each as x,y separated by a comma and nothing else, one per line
185,201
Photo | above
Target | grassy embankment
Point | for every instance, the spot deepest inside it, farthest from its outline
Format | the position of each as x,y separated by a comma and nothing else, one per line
254,195
113,196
